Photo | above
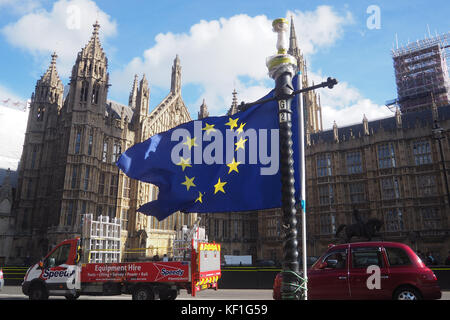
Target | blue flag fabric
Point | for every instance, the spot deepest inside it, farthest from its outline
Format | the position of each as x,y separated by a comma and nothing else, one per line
216,164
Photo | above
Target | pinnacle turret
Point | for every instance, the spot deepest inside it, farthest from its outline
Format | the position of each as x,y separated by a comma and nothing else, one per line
234,104
203,113
293,47
51,77
133,93
175,86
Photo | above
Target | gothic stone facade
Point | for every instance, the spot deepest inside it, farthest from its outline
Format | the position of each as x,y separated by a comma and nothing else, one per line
72,142
390,169
6,217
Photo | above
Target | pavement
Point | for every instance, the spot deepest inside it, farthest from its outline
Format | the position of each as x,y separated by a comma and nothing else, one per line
15,293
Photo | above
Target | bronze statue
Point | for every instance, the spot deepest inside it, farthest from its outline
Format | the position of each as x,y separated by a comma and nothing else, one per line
362,229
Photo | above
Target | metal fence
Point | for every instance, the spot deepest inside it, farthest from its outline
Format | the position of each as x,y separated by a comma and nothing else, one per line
232,277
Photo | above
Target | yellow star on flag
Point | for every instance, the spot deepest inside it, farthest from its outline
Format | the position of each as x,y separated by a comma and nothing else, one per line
241,127
190,142
209,128
184,163
219,186
189,182
240,144
233,166
232,123
200,197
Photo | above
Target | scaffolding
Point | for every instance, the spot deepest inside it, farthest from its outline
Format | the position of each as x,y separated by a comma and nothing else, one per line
186,238
101,239
421,73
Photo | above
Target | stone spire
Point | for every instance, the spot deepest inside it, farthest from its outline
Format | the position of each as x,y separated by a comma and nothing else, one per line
143,84
203,113
293,47
96,26
234,104
94,43
89,81
143,99
49,88
93,48
175,86
335,132
51,77
133,93
365,125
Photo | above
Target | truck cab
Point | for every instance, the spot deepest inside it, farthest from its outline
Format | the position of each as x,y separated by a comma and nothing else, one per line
56,274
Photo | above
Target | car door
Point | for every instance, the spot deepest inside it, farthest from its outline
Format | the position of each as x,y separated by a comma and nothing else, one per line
329,277
368,273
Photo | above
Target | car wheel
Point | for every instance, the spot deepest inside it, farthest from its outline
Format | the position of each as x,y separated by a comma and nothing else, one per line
143,293
407,293
38,292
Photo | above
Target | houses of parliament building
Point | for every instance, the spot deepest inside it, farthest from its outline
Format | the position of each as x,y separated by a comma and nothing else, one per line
394,169
72,143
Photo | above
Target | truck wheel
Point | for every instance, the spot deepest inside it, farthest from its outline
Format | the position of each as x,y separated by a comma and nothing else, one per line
72,296
168,294
143,293
38,292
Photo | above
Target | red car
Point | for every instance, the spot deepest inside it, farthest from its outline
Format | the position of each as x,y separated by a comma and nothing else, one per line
369,270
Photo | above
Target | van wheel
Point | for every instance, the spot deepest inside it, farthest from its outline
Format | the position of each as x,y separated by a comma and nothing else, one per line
143,293
407,293
38,292
72,296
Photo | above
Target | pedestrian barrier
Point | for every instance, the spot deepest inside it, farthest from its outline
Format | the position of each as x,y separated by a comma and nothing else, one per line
232,277
13,276
263,277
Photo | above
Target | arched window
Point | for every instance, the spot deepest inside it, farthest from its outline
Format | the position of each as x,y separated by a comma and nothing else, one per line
78,142
95,92
90,143
40,113
84,91
105,151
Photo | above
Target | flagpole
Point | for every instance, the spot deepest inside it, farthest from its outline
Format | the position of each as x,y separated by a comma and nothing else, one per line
282,68
301,138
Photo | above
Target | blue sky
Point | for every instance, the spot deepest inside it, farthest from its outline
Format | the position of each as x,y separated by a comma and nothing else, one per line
222,45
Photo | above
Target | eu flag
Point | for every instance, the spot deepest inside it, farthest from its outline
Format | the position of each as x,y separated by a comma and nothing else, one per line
216,164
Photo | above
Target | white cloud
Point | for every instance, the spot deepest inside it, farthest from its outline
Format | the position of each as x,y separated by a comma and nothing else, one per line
320,28
346,105
13,123
218,54
65,29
